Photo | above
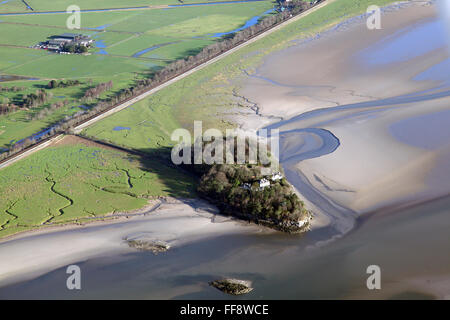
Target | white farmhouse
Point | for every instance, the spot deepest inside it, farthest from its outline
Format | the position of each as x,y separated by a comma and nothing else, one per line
263,183
277,176
301,223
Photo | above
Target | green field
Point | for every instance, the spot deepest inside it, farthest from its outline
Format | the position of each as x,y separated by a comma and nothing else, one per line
12,6
115,27
73,180
61,5
18,124
150,134
120,38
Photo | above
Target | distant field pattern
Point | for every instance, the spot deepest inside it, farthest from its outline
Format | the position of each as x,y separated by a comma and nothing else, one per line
128,45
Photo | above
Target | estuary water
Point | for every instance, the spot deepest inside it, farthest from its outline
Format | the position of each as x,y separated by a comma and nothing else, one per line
408,245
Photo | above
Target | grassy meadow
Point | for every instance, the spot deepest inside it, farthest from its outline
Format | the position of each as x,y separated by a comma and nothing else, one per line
18,124
129,45
8,6
75,179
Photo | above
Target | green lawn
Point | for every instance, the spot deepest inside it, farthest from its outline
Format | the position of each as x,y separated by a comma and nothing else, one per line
72,180
29,35
137,42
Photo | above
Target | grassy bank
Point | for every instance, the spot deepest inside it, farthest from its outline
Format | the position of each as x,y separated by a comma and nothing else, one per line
77,179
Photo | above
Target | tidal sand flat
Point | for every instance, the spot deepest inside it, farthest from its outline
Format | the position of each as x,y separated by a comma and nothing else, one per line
366,124
408,244
175,222
350,63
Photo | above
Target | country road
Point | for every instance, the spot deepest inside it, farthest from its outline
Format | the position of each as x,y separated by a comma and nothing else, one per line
144,95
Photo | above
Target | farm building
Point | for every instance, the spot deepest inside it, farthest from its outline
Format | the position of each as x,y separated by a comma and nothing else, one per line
75,38
57,43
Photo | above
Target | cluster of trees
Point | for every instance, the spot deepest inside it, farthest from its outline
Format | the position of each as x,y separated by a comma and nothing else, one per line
235,189
45,112
296,6
6,106
96,91
74,48
62,84
33,100
276,205
11,89
17,147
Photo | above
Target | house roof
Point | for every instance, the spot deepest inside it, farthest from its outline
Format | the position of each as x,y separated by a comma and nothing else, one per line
56,42
61,40
69,35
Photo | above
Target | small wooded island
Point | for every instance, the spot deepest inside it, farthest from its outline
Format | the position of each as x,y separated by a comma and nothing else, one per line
241,190
232,286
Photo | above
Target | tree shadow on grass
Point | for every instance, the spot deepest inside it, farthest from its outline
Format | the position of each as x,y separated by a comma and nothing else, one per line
40,86
180,183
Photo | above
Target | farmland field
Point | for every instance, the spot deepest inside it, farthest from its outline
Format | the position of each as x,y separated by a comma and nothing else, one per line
128,45
61,5
77,179
12,6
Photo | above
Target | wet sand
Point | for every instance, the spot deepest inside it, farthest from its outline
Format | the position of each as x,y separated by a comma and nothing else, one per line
176,222
349,64
365,94
410,247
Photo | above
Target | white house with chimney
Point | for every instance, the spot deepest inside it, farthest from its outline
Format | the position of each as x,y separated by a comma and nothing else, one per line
264,183
276,176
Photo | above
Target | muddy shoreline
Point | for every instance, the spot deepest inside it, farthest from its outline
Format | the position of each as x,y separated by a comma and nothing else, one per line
352,102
